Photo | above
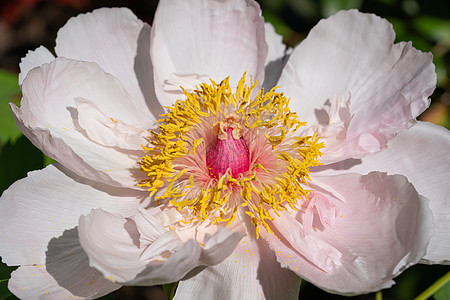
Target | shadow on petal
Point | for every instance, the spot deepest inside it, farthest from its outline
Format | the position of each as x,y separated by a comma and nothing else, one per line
143,67
67,262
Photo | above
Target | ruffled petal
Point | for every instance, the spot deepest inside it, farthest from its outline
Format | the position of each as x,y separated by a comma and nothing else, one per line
107,131
32,60
120,44
276,57
140,251
421,154
351,55
65,275
250,272
205,39
48,116
383,227
113,247
43,205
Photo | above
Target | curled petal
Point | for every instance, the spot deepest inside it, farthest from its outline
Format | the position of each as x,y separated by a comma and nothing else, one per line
107,131
120,44
48,117
353,53
383,227
141,251
421,154
34,59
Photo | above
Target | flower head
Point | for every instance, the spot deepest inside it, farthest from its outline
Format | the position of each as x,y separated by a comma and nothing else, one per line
180,160
217,151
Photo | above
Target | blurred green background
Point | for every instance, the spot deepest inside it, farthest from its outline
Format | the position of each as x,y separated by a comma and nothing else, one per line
27,24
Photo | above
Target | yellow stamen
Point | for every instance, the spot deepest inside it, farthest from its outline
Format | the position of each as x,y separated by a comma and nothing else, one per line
219,199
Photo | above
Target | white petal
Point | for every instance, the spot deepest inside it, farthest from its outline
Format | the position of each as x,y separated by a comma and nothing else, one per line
107,131
275,59
43,205
421,154
34,59
214,39
383,227
48,117
113,247
120,44
65,275
140,251
354,53
250,272
216,248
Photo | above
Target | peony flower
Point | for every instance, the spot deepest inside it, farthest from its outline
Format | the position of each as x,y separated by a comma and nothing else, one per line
174,164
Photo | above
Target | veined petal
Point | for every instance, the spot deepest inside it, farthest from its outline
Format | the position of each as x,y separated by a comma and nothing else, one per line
250,272
212,39
421,154
120,44
46,203
383,227
353,54
65,275
140,251
48,117
34,59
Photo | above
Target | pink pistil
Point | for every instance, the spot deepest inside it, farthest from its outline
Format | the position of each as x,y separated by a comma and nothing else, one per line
228,153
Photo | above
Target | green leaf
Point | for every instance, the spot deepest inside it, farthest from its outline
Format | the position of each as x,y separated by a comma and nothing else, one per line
443,293
435,28
278,23
17,159
330,7
48,161
169,290
435,288
5,274
9,92
4,292
5,271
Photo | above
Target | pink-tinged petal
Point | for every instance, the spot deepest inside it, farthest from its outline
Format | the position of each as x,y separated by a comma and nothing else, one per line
34,59
351,55
250,272
140,251
275,59
49,118
205,39
383,227
120,44
421,154
107,131
65,275
43,205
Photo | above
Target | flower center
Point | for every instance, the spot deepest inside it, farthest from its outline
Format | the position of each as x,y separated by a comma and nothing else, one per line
217,152
229,152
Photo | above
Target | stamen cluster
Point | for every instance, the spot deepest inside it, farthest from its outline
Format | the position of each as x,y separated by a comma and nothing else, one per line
279,162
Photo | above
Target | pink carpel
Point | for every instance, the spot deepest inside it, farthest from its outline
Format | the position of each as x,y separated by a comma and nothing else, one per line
228,153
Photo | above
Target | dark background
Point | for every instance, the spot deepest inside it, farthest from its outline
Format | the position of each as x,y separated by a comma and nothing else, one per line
27,24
